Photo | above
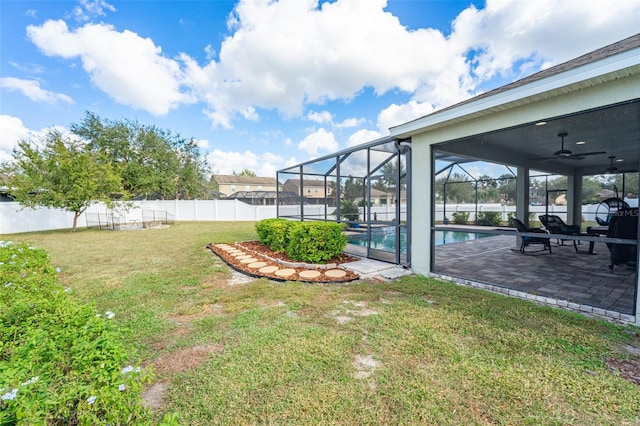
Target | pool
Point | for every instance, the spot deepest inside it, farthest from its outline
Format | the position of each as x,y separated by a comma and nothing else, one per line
385,238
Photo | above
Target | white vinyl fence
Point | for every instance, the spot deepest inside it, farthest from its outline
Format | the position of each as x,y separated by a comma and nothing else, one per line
14,219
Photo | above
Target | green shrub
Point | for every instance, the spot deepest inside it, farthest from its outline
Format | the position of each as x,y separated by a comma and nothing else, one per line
489,219
60,361
274,233
461,218
315,242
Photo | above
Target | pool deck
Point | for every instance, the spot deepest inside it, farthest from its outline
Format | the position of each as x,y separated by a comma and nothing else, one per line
564,278
579,279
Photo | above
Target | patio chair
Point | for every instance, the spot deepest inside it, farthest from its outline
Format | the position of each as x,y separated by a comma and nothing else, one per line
555,225
623,224
521,227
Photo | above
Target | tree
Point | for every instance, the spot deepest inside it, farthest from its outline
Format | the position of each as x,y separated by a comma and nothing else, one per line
506,186
58,172
389,177
244,172
458,188
353,188
152,162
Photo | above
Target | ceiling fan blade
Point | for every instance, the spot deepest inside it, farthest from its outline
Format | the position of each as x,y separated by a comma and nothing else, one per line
583,154
580,156
542,159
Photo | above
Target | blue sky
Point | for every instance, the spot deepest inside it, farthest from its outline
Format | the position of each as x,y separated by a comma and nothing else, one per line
263,84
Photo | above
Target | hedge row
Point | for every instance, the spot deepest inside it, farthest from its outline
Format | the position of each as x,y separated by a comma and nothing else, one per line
61,362
313,242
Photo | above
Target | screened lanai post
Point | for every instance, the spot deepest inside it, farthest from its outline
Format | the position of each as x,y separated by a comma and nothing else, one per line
301,195
338,188
407,160
522,194
398,199
574,199
325,197
277,194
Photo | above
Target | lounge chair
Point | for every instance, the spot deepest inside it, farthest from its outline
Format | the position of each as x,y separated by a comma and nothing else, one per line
555,225
521,227
623,224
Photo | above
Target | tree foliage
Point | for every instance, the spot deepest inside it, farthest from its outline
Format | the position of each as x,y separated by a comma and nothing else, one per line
58,172
153,163
388,178
244,172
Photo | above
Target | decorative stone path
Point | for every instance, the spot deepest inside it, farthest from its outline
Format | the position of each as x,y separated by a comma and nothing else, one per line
254,263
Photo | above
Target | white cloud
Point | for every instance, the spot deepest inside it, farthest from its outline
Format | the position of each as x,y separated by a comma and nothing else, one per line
285,55
363,136
88,9
203,144
129,68
226,162
320,140
396,114
32,90
12,130
289,53
350,122
515,38
322,117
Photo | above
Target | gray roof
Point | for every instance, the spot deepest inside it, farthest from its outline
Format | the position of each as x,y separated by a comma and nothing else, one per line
244,180
306,182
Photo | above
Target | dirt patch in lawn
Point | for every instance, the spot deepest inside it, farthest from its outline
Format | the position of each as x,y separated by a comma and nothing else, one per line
184,359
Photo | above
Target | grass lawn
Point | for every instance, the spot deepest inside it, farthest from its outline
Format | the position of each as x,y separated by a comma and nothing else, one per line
412,351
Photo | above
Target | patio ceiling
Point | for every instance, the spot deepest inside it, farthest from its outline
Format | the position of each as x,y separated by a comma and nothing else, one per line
613,129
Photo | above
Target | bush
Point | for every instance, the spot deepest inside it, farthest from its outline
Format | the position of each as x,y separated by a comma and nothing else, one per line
489,219
274,233
315,242
60,362
461,218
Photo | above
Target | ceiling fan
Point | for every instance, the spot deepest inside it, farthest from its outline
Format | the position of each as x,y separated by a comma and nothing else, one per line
611,168
565,154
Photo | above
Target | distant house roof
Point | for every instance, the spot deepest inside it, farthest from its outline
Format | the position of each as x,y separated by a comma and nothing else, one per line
244,180
306,182
260,194
378,193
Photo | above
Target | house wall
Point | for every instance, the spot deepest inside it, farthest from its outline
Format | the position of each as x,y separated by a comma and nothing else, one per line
517,112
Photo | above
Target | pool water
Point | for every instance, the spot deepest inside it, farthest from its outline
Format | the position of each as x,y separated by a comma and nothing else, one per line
386,241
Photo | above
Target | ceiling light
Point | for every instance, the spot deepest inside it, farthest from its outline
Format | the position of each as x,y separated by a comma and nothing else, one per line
580,143
619,160
541,123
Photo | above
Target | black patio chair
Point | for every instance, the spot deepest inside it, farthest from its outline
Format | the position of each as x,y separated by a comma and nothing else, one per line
521,227
555,225
623,224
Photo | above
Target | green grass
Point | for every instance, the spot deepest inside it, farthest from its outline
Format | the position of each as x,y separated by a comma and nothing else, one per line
439,353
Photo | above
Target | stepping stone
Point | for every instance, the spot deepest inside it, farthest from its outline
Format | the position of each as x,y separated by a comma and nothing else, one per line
268,269
256,265
248,260
243,256
239,253
222,246
309,274
335,273
285,272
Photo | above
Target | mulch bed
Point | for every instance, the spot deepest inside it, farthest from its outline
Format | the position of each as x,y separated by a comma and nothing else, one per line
280,260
